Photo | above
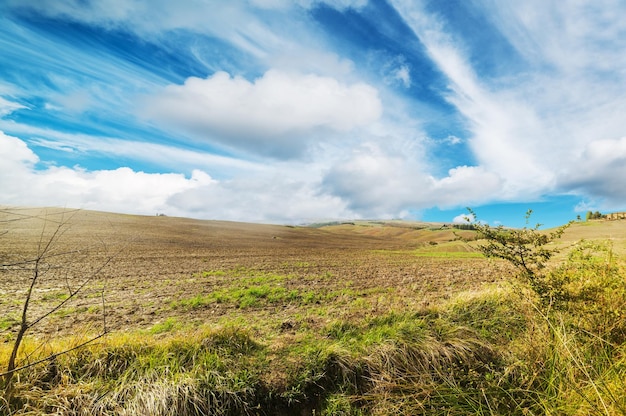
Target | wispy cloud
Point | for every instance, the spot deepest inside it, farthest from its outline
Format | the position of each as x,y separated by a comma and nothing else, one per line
165,156
530,126
7,107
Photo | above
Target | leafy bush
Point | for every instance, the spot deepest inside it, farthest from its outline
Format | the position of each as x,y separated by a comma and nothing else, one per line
526,249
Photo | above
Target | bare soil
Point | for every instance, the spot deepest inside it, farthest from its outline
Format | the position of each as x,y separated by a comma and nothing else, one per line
142,270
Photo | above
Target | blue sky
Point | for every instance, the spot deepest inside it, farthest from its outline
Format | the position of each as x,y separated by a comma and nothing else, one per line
292,111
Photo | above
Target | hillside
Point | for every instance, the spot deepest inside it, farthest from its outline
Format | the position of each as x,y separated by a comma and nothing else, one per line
155,261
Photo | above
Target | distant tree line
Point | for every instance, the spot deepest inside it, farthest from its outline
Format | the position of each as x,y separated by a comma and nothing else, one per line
467,226
594,215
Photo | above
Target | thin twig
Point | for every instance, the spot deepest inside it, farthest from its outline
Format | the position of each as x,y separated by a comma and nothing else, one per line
55,355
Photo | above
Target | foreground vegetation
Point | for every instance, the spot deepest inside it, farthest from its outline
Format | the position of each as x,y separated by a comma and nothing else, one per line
552,342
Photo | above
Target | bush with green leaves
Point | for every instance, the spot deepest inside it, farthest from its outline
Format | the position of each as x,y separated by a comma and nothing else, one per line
529,250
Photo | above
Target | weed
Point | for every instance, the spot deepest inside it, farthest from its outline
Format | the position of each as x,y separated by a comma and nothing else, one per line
166,326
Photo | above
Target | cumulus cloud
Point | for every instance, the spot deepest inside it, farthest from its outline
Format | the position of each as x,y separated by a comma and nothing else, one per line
270,115
15,155
120,189
272,198
280,196
466,185
564,99
600,171
463,219
378,182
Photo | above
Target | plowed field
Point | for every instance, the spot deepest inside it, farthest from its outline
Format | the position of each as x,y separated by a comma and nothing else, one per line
147,271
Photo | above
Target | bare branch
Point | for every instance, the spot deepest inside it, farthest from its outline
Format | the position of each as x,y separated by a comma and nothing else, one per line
72,293
41,265
52,356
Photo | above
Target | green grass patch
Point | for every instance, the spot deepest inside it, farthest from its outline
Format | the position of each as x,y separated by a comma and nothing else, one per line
55,296
448,254
166,326
251,296
8,322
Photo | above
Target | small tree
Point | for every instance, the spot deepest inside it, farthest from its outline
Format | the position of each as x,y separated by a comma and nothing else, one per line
526,249
49,261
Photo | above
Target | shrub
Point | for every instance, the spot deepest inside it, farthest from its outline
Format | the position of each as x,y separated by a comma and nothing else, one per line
527,250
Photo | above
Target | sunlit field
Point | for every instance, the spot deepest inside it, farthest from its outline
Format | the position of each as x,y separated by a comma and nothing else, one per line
160,315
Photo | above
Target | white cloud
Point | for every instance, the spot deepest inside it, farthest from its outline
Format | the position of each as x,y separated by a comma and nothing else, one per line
274,198
15,153
283,4
168,157
567,102
122,190
466,185
375,181
403,74
580,35
452,140
7,107
288,194
530,127
75,102
269,115
385,182
463,219
264,38
600,172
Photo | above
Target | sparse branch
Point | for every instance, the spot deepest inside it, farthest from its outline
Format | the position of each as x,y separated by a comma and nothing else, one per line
46,260
52,356
72,294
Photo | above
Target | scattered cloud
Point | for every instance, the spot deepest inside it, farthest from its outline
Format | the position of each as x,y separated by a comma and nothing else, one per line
274,115
7,107
274,199
529,127
166,156
403,74
452,140
312,108
463,219
268,197
382,183
600,172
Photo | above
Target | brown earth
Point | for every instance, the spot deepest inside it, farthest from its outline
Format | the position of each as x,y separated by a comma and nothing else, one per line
144,270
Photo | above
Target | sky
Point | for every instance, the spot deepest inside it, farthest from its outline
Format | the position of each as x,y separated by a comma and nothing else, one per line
299,111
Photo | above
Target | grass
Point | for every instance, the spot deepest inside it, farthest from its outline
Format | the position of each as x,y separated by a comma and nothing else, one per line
446,250
348,348
248,297
489,351
245,288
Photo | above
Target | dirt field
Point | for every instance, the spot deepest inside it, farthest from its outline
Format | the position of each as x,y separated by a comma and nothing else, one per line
147,271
